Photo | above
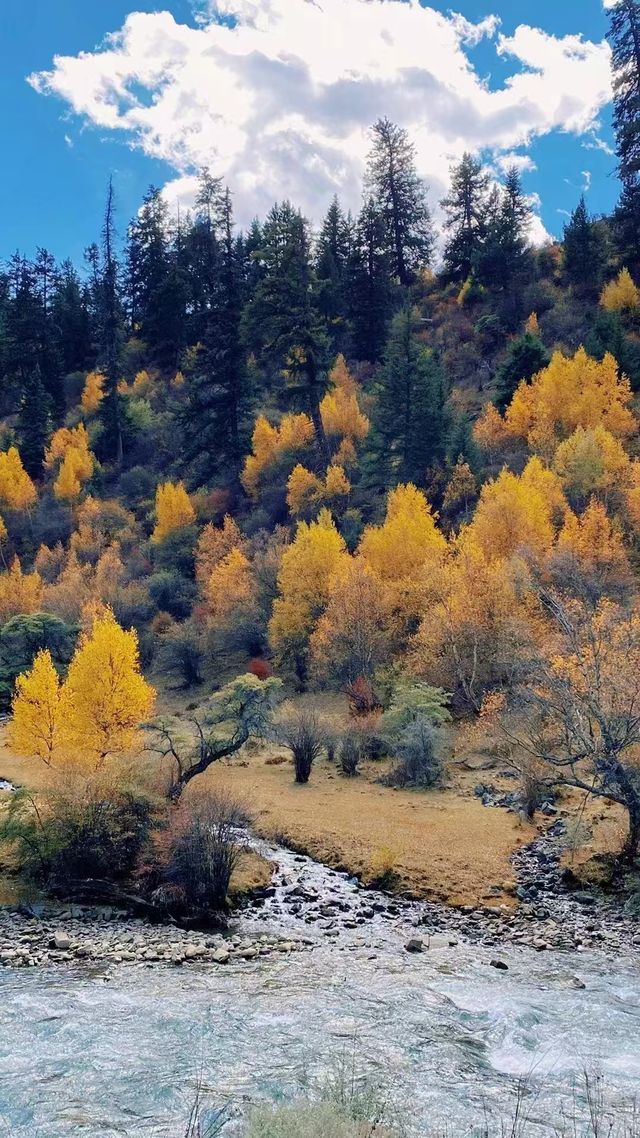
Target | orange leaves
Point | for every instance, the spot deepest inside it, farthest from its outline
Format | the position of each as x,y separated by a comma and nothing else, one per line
93,392
17,491
571,393
173,510
231,586
408,538
340,411
592,539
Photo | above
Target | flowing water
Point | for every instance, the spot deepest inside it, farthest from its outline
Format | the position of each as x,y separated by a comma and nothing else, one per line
117,1052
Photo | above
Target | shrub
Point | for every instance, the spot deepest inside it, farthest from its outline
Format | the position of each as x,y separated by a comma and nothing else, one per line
259,667
382,871
78,833
172,593
202,844
362,697
418,762
322,1120
305,735
180,654
350,754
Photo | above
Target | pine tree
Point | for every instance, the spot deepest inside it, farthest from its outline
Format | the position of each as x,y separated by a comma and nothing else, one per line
281,324
34,423
410,425
216,407
400,197
624,37
109,320
332,256
526,356
371,291
584,251
71,319
465,210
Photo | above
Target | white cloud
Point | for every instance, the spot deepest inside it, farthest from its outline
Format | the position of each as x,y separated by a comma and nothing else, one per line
522,162
278,95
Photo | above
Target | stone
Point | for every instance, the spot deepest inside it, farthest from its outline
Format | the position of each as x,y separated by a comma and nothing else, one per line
60,940
221,956
499,964
414,944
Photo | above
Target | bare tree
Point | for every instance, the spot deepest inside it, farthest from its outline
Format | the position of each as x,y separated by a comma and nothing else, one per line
578,712
306,737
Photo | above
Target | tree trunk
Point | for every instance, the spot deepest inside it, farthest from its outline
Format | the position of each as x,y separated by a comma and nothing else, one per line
632,842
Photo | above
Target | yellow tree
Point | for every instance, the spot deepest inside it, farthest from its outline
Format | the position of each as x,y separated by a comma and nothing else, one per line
41,713
340,410
592,461
109,695
355,634
76,468
307,568
173,510
621,294
595,542
214,543
273,445
304,490
231,586
515,514
570,393
17,491
19,592
93,392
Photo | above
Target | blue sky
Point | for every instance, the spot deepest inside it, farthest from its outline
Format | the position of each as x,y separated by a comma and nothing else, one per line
279,100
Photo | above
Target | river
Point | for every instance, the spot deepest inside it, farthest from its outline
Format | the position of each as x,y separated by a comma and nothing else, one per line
99,1052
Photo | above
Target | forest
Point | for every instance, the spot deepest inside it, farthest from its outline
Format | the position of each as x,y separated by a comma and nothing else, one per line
242,471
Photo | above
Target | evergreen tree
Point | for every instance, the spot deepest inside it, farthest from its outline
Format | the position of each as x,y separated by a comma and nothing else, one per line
502,260
608,335
217,398
624,37
155,285
333,252
281,324
34,423
525,357
400,197
465,210
585,254
109,323
71,320
410,423
371,291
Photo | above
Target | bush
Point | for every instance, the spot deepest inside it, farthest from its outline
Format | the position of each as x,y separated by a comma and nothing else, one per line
350,754
323,1120
418,763
202,844
78,833
172,593
180,655
259,667
305,735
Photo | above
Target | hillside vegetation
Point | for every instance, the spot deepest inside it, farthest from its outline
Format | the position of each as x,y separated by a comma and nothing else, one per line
333,460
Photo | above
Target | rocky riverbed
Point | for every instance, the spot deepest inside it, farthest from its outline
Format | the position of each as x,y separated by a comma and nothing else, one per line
308,904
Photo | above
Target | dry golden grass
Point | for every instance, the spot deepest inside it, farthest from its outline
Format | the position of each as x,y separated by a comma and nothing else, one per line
445,846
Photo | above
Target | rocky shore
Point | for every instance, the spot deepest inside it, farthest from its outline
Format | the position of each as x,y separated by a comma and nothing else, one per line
308,904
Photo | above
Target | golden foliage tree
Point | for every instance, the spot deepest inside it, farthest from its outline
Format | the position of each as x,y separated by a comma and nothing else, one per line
19,592
305,491
591,461
17,491
173,510
354,635
231,586
214,543
272,445
515,514
570,393
307,568
340,410
621,294
110,696
594,541
41,723
93,392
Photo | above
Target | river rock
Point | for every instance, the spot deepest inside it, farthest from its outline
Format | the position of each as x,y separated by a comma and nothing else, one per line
499,964
60,940
221,956
415,944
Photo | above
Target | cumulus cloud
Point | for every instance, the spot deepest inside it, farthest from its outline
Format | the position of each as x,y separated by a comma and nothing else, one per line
278,95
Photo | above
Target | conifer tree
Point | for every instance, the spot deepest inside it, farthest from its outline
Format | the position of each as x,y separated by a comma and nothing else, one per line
34,422
371,290
410,425
400,197
109,320
332,267
584,251
465,209
526,356
624,37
